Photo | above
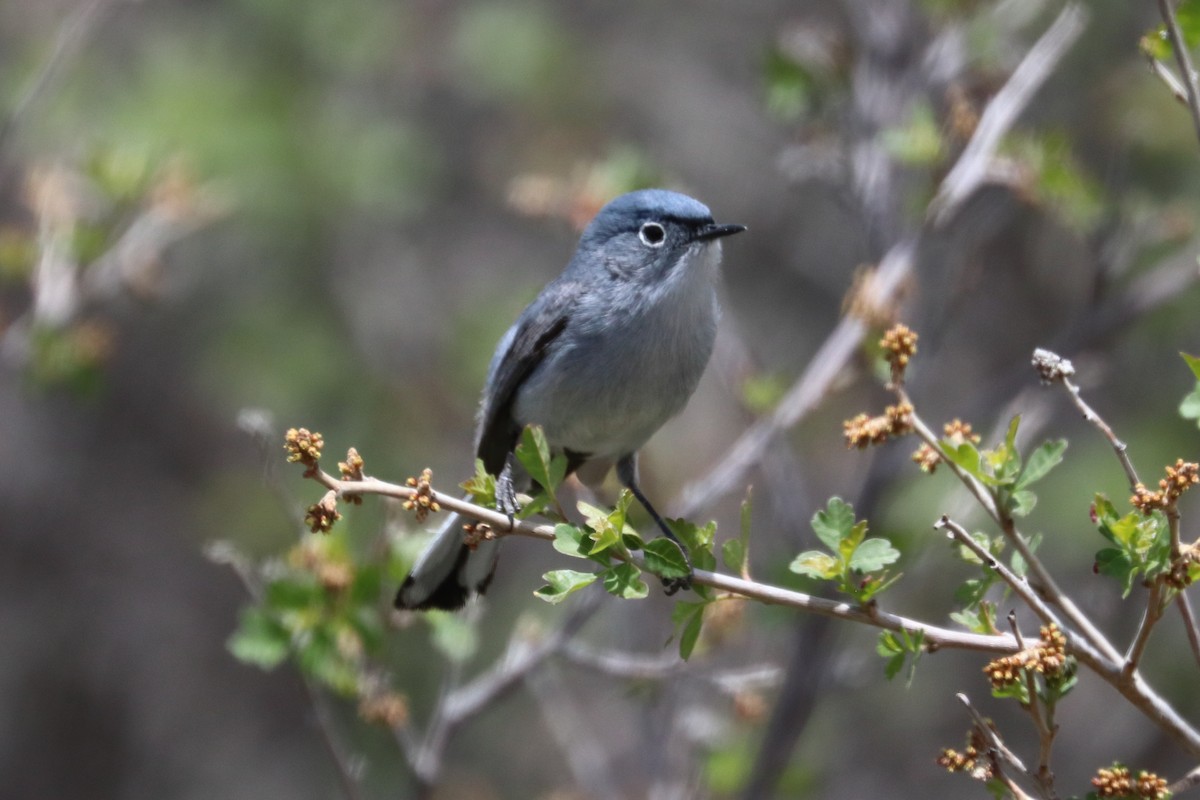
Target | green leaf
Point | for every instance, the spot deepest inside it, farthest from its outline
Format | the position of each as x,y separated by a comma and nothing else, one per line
918,141
604,534
1116,564
286,594
733,554
534,454
1193,363
688,618
833,523
1021,503
816,564
260,640
1040,462
665,559
849,544
966,456
873,555
625,580
1189,408
571,541
561,583
698,540
482,486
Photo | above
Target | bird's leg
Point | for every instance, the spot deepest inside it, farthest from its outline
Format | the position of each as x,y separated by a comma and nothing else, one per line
506,492
627,475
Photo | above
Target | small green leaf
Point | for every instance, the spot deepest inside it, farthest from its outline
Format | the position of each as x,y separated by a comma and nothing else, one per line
571,541
1022,503
286,594
624,580
665,559
966,456
873,555
816,564
688,618
561,583
1193,363
1189,408
534,454
698,540
260,640
1116,564
482,486
833,523
1040,462
733,555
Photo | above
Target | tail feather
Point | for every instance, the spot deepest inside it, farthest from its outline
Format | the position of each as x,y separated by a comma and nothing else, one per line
448,572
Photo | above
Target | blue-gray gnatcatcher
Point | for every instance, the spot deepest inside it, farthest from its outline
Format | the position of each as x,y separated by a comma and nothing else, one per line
608,352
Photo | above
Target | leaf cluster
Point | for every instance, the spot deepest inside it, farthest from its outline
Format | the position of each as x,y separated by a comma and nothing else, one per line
853,562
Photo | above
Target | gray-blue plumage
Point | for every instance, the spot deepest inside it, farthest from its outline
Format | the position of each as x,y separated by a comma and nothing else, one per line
608,352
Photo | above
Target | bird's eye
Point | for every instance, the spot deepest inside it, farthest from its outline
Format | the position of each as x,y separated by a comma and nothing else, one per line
652,234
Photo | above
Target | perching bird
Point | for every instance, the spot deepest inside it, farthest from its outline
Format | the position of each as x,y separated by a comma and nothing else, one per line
608,352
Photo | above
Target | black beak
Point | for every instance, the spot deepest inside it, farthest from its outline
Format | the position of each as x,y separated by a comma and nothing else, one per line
715,231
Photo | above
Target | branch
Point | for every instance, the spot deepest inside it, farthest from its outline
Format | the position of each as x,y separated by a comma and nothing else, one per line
829,363
1053,368
1189,623
1002,112
1047,586
936,636
522,657
1020,586
1153,613
999,748
1184,59
71,34
223,553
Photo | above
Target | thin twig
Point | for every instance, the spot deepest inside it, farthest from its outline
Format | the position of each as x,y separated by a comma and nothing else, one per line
1163,72
345,773
1184,59
1119,447
989,732
1189,623
1020,586
462,703
1002,112
1046,585
71,34
1151,616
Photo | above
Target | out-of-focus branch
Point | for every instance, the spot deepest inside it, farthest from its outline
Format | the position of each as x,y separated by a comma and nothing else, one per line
522,657
345,772
74,30
1184,59
968,174
971,169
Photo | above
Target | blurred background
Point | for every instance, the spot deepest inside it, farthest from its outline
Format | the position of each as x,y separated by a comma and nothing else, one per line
223,218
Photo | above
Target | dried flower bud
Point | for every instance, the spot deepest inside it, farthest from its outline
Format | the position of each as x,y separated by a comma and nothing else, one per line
303,446
322,515
1051,367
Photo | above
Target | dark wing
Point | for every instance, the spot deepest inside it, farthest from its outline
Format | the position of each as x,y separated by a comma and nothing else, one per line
535,331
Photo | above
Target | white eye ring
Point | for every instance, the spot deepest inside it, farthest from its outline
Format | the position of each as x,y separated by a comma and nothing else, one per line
652,234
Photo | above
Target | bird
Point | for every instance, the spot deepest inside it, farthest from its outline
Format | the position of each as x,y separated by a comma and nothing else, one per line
607,352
